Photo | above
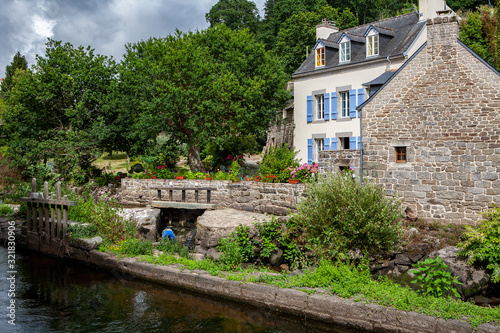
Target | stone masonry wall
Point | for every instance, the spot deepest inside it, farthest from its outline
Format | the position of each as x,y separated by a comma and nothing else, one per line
332,160
444,107
276,199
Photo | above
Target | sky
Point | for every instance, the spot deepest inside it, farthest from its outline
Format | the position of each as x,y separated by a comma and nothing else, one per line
105,25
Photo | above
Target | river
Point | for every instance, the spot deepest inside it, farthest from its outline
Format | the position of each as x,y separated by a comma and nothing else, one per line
53,295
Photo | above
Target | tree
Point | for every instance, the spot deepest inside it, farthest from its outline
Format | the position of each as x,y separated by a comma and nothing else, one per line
235,14
18,63
299,32
60,110
201,87
479,31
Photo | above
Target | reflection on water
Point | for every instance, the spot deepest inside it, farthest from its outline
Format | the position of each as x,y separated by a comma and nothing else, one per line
60,296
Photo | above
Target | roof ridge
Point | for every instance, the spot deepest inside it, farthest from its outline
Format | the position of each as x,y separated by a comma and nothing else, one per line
374,22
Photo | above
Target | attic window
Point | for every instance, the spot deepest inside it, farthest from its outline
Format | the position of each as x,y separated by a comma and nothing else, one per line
320,55
372,43
345,50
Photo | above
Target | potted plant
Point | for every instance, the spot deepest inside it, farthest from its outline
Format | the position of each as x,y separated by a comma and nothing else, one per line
257,179
180,175
305,172
293,181
208,177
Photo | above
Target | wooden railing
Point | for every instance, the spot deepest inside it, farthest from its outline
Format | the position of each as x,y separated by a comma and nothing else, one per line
41,205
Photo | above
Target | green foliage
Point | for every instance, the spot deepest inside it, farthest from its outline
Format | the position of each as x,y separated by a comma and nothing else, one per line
130,247
82,230
479,31
62,110
232,254
172,247
277,161
218,151
6,210
339,215
162,150
104,179
201,87
235,14
18,66
482,243
195,175
102,214
435,278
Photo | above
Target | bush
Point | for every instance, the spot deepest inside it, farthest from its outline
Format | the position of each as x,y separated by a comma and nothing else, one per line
482,243
435,278
339,215
6,210
82,230
171,247
276,164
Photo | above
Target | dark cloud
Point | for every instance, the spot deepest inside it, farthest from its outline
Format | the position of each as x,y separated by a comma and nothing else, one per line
105,25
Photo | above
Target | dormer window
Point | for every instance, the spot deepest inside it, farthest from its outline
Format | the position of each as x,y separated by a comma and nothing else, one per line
320,55
372,42
345,49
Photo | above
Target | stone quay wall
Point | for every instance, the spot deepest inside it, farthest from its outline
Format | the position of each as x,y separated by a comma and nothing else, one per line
272,198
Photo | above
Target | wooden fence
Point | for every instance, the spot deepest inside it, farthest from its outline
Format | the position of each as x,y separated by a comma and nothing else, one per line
40,206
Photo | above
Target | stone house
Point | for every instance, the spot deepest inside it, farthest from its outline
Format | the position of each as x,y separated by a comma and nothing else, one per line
432,132
426,120
345,69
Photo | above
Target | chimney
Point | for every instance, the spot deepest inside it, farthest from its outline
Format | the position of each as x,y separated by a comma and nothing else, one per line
326,28
442,35
430,9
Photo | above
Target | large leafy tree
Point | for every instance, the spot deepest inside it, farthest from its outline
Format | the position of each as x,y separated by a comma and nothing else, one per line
201,87
299,32
61,109
479,30
18,64
235,14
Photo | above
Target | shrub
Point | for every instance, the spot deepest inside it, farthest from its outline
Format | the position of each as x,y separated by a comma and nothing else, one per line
170,247
482,243
276,163
82,230
305,172
434,278
339,215
6,210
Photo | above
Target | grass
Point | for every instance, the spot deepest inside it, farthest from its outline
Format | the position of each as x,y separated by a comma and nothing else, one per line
116,162
345,281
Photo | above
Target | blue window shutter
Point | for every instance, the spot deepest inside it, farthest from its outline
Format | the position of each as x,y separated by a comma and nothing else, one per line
327,106
361,99
359,142
327,143
352,103
334,143
334,105
309,109
352,142
309,151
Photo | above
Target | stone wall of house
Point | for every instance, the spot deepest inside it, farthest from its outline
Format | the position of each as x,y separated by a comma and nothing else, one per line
334,160
260,197
444,107
280,134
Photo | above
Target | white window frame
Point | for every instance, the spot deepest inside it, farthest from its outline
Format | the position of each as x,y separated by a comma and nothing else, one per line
372,44
345,50
319,146
320,55
320,106
345,106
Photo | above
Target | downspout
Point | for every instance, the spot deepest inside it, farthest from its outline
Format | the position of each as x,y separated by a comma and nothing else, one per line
361,147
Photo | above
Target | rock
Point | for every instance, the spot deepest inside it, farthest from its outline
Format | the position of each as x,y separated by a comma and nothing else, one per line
285,267
86,243
198,256
213,254
410,233
276,258
200,250
146,219
220,223
410,215
402,259
474,280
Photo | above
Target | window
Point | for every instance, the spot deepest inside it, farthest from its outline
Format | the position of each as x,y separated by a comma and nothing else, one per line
344,143
320,146
401,155
320,106
372,45
344,103
320,56
345,51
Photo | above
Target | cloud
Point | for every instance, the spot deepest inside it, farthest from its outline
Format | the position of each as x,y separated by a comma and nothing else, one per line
105,25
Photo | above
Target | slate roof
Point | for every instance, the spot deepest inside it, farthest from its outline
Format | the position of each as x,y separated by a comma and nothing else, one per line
380,79
397,35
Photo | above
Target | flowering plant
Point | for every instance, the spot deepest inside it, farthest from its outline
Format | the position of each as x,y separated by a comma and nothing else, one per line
305,172
164,172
